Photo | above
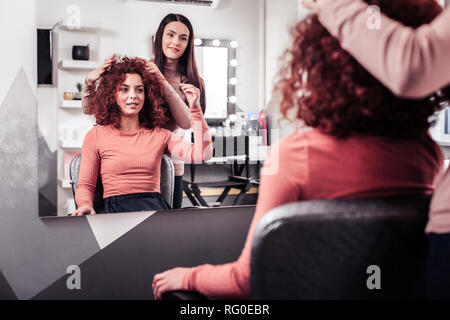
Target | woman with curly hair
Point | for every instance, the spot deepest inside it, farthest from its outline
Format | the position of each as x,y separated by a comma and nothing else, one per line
128,142
174,64
412,63
363,142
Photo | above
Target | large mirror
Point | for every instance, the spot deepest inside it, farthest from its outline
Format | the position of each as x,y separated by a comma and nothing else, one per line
216,62
237,48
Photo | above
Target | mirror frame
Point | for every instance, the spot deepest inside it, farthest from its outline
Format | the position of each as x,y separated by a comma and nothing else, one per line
231,45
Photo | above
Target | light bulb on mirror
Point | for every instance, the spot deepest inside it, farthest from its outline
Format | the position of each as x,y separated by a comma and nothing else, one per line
233,99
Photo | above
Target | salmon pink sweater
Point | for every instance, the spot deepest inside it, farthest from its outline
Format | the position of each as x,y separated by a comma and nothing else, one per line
130,162
311,165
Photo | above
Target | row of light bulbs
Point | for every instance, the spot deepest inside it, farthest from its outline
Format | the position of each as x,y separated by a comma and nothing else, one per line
215,43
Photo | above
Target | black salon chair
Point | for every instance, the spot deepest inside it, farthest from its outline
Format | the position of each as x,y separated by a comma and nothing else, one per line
167,182
322,250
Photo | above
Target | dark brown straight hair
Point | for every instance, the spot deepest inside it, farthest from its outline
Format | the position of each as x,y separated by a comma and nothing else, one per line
187,66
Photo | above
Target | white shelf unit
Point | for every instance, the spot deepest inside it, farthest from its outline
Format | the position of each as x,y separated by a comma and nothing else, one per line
77,65
84,26
65,183
71,145
71,122
70,104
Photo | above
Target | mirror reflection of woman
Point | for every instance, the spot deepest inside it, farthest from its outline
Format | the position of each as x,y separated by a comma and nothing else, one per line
173,64
128,142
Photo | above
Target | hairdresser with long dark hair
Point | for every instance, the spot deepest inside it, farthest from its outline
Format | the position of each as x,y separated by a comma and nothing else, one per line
174,65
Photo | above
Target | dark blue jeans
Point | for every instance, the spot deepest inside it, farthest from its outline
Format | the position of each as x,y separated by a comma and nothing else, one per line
438,267
178,192
136,202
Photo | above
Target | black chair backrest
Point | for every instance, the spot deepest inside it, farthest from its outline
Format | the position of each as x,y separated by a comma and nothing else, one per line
322,249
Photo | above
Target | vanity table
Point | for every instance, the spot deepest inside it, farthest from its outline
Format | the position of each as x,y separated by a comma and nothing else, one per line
124,269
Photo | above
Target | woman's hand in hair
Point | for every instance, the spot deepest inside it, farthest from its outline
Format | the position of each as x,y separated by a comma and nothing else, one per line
83,210
95,74
153,68
192,95
313,5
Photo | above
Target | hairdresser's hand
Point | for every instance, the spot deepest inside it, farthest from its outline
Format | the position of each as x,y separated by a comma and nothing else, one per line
169,280
192,95
153,68
313,5
83,210
96,73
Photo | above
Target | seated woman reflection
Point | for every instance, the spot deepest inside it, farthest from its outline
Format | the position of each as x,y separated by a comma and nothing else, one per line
174,63
128,142
363,142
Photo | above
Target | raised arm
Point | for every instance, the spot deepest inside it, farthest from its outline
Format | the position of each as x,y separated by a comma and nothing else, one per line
201,149
92,76
411,63
85,101
87,178
178,108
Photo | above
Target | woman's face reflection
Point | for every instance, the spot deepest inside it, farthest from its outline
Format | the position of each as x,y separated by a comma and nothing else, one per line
130,95
175,40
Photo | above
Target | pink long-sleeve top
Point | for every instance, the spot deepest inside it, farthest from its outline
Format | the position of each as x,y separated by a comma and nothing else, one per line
130,162
412,63
311,165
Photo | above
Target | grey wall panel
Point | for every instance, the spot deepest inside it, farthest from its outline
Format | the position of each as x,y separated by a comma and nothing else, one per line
125,269
33,252
6,292
47,178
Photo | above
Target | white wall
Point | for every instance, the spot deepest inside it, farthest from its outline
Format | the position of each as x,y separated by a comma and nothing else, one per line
18,43
129,25
281,17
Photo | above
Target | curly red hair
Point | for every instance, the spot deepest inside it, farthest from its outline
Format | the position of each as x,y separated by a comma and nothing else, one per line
335,94
103,94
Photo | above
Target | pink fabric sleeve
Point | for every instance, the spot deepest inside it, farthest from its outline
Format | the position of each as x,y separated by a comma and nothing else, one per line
178,108
411,63
90,163
85,102
232,280
199,151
